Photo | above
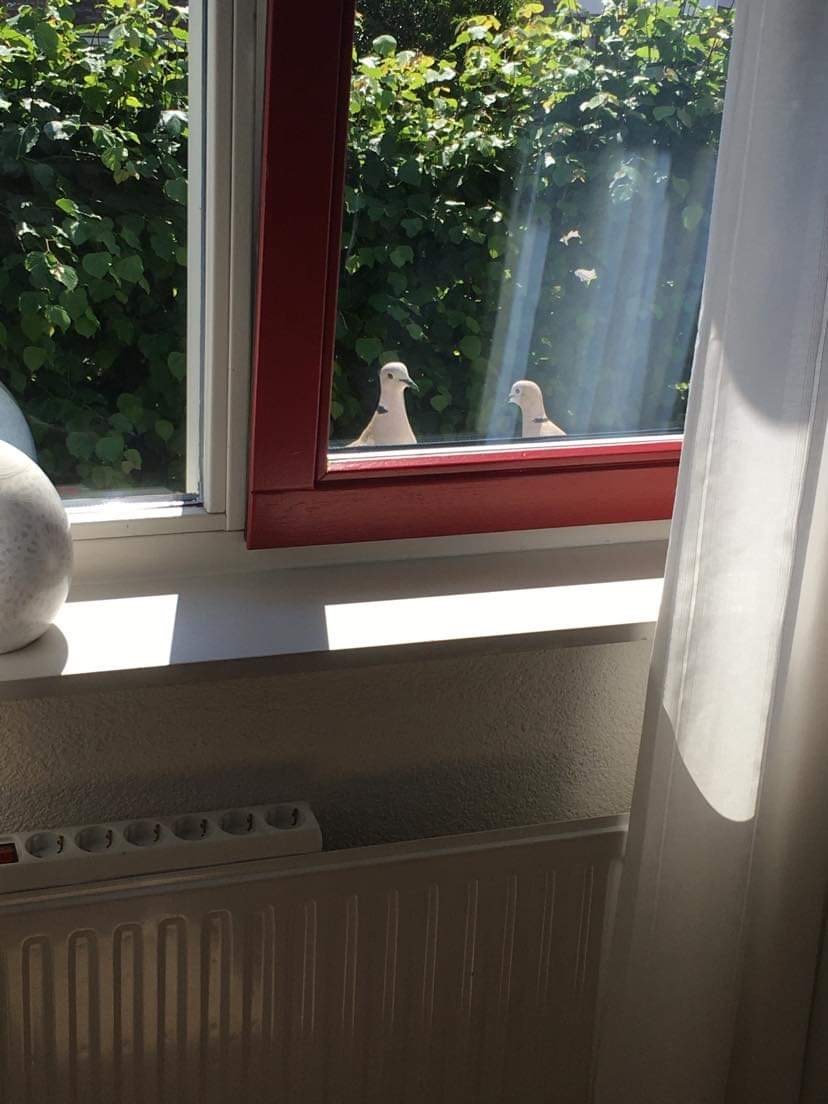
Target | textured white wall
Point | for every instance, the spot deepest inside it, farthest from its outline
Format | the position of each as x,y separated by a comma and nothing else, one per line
383,753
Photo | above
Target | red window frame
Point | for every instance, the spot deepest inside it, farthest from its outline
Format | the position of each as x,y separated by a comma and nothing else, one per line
294,499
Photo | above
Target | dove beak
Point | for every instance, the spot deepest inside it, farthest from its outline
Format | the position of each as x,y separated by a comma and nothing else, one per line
410,383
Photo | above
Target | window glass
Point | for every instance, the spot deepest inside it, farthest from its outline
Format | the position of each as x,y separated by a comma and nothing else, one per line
526,219
93,192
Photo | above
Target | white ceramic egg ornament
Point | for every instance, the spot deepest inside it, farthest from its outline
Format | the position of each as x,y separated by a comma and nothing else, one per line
35,550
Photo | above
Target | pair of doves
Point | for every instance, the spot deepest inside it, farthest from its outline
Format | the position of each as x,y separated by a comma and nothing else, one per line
389,424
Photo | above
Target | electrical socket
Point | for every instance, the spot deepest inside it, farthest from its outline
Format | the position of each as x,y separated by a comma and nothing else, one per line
144,845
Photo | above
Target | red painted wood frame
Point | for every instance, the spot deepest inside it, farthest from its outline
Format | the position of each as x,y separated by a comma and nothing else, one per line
294,498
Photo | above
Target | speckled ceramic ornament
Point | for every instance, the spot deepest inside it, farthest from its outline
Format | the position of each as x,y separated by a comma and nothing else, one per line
35,550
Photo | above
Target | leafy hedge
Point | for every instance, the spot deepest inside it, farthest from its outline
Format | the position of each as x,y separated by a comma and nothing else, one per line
93,132
532,203
425,25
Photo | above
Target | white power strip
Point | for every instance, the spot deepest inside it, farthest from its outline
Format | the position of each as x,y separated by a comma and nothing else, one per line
87,853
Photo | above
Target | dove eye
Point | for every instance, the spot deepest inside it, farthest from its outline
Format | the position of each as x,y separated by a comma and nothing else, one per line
517,390
389,375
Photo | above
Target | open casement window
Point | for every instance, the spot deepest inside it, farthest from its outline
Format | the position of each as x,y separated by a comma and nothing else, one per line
128,140
509,212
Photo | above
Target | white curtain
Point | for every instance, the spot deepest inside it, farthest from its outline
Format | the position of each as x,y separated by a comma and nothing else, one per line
715,954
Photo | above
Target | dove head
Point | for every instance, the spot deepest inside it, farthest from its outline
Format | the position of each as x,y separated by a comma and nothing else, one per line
394,379
527,395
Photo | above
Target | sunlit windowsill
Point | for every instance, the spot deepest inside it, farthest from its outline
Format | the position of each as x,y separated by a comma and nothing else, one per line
129,517
224,616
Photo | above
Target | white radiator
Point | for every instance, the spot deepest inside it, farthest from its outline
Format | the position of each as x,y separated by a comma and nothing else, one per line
453,970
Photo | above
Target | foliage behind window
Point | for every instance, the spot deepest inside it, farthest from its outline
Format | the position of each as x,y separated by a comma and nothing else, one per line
93,131
426,25
550,129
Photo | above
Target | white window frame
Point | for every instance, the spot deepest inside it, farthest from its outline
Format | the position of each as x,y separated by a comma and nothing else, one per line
226,83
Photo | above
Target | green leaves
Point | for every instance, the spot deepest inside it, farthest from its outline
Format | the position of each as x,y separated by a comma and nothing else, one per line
121,423
131,407
110,448
65,274
132,461
441,401
41,174
601,99
176,189
368,348
397,281
47,38
45,269
174,122
97,264
61,130
385,45
163,245
177,364
129,268
75,302
401,255
34,357
471,346
57,316
81,444
409,172
93,162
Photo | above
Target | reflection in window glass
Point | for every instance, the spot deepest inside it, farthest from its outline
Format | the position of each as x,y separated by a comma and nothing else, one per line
526,218
93,156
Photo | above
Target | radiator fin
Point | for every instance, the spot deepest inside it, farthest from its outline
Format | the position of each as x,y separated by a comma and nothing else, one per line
128,1011
84,1044
459,972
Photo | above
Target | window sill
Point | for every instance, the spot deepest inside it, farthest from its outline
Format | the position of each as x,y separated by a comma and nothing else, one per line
184,625
126,518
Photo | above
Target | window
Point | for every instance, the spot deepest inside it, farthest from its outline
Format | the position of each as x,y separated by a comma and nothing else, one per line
126,188
93,203
505,208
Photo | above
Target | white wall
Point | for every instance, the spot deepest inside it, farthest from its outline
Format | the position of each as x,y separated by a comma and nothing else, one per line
383,753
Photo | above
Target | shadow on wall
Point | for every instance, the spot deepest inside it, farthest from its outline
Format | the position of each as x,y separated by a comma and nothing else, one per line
436,800
398,751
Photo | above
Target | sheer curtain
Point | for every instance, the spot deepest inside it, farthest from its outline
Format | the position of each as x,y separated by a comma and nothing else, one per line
715,954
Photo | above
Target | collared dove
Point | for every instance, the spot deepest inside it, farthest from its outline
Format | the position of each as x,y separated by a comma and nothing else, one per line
389,424
527,395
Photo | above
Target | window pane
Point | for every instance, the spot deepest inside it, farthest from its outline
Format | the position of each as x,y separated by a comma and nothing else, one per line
93,190
526,219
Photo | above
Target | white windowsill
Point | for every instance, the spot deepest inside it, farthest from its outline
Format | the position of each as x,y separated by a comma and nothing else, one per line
174,625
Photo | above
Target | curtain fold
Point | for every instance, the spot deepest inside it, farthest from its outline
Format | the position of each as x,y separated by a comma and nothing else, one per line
720,915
